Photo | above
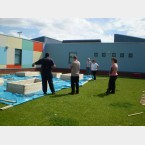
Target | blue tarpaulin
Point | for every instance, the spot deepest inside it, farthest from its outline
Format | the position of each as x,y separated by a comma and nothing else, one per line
20,98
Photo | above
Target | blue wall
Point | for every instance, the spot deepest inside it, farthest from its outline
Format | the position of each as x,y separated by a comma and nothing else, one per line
3,56
27,58
60,55
124,38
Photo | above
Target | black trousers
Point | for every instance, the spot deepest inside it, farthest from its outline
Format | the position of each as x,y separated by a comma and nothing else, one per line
94,74
111,84
47,78
75,84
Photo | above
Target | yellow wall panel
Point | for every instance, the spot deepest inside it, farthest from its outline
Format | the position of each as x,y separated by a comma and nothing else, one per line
14,42
37,56
3,40
2,66
10,56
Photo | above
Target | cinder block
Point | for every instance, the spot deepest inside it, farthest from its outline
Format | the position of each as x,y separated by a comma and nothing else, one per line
1,81
27,73
25,86
56,74
68,76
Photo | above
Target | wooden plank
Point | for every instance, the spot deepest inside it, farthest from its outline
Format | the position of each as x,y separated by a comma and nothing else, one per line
6,107
135,114
6,100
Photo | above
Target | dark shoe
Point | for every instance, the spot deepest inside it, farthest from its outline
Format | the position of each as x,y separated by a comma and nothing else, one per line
112,92
71,93
107,92
53,93
45,93
77,92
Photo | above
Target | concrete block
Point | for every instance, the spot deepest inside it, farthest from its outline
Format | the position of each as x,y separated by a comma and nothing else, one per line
1,81
68,76
27,73
56,74
25,86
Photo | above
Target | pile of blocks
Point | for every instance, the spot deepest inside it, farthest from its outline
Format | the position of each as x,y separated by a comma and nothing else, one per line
32,85
142,101
1,81
68,76
27,73
25,86
56,74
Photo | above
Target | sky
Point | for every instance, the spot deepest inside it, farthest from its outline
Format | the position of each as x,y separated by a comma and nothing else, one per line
73,28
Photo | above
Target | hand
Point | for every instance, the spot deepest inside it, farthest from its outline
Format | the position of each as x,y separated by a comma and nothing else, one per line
33,65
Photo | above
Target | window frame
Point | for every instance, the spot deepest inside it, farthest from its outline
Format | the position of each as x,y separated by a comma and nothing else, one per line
95,54
130,54
113,54
104,54
18,54
121,55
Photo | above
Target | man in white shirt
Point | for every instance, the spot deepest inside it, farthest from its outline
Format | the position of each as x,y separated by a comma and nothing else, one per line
94,68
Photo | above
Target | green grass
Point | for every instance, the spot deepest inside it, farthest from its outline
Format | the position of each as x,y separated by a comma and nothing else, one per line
90,108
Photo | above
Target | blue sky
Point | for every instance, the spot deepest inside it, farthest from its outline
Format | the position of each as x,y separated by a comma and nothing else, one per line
73,28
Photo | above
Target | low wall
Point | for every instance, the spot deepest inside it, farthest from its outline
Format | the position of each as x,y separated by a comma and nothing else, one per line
103,73
12,71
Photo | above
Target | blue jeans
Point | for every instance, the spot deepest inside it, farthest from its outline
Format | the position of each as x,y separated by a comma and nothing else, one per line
88,70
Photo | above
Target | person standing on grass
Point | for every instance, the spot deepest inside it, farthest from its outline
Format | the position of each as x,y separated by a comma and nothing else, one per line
46,72
75,71
88,66
94,68
113,76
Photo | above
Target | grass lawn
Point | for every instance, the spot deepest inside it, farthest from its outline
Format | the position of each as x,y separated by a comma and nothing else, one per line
90,108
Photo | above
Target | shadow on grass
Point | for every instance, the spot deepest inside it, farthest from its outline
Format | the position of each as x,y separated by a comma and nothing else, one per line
58,95
102,95
121,105
61,121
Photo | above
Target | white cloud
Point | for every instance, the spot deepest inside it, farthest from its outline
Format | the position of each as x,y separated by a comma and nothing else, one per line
15,33
75,28
72,29
130,26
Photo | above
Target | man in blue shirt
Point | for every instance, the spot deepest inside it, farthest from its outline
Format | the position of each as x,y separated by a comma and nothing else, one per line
46,72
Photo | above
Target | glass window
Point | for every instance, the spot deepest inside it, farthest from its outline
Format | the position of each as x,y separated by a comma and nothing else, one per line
18,56
113,54
122,55
103,54
71,55
95,54
130,55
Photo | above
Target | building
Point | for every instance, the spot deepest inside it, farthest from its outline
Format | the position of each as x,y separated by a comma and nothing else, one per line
18,54
128,50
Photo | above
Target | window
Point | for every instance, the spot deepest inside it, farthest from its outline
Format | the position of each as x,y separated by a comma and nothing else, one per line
18,56
122,55
103,54
71,55
130,55
95,54
113,54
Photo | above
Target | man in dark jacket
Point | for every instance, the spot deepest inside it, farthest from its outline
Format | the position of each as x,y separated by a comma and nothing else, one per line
46,72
